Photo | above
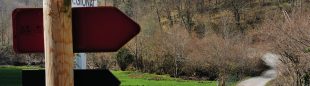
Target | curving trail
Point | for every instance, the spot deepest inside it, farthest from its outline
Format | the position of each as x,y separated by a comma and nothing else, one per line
271,60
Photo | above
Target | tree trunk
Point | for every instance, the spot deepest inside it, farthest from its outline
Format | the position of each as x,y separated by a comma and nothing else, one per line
222,79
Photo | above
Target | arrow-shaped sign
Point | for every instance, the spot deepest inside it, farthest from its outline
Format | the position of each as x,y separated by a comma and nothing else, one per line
95,29
81,78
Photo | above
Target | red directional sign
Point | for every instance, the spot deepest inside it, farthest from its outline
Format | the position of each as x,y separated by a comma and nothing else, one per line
95,29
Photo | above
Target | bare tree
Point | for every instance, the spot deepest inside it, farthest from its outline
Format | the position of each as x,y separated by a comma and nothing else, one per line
292,43
237,7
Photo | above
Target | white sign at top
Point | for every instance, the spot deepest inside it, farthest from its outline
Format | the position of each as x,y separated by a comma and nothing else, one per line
84,3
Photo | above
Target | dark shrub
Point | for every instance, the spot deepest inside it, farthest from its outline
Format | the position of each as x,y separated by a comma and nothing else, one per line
124,58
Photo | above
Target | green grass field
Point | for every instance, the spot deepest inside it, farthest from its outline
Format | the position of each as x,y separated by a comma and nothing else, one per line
129,78
11,76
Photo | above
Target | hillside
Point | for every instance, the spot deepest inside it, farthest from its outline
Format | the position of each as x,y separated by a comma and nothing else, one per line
220,40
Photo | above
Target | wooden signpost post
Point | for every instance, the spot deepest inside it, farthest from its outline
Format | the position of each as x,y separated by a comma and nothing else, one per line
62,31
58,42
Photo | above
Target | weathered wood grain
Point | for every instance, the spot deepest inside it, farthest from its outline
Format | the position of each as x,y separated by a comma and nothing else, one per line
58,42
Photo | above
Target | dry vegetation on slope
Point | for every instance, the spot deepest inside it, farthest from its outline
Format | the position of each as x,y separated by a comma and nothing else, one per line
203,39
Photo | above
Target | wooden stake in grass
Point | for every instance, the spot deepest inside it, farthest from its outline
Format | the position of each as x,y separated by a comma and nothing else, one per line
58,42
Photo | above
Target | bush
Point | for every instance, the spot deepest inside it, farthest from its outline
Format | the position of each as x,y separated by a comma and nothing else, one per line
124,58
167,65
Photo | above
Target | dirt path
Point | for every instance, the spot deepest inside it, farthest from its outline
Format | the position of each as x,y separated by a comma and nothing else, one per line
260,80
270,60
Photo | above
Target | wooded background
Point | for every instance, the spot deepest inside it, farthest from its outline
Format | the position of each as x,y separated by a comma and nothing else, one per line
197,39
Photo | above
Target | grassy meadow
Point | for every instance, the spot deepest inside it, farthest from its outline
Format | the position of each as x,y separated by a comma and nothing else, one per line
11,76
